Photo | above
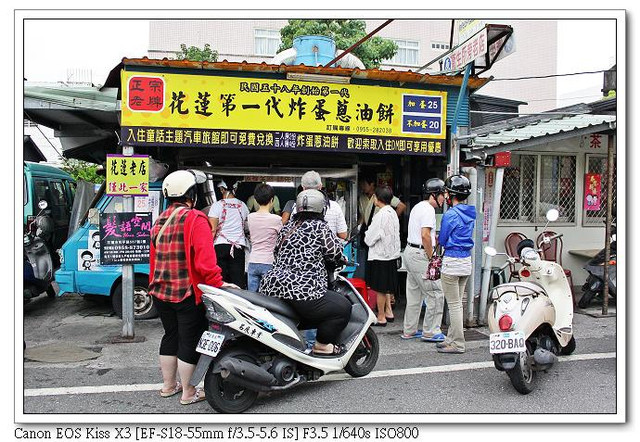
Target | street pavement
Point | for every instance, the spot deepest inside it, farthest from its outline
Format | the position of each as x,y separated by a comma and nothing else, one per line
410,377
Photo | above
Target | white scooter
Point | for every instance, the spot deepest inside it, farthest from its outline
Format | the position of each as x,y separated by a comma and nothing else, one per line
531,321
254,345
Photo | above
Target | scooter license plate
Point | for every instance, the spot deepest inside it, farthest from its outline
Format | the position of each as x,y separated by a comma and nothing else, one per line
210,343
507,342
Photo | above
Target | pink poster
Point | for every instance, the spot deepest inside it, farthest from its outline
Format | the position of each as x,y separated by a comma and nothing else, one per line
592,191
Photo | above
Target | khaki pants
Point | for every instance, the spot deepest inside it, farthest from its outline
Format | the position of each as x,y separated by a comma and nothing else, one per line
453,287
419,289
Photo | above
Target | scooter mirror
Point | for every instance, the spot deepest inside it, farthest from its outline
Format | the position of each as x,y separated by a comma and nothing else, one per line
553,215
42,204
490,251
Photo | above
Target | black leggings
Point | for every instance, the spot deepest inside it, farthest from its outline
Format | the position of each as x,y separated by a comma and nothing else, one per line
183,324
330,314
232,267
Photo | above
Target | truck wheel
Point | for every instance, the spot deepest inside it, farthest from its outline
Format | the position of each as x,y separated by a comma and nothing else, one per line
51,292
143,305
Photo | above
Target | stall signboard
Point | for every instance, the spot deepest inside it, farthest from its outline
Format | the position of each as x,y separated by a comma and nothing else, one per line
593,191
125,238
467,28
127,175
168,109
465,53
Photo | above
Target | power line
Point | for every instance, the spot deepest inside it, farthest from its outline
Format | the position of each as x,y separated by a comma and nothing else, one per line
565,99
526,113
552,75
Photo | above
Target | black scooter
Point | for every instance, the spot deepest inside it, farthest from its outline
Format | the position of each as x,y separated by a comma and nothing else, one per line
38,262
594,286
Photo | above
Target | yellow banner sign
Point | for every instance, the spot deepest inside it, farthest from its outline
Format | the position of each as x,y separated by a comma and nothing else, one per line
127,175
208,105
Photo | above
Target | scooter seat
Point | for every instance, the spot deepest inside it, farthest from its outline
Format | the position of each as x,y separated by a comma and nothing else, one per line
275,305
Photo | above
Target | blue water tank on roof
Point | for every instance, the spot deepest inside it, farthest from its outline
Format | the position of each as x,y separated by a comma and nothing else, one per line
314,50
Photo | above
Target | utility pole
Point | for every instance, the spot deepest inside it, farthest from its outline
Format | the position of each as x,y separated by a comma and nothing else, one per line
127,273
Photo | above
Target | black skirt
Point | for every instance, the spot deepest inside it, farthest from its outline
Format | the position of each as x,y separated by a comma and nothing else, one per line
382,276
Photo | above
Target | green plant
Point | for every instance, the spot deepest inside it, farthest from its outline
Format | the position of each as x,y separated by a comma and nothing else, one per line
82,170
194,53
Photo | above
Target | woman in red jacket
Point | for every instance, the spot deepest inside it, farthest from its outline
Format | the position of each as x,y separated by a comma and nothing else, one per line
182,256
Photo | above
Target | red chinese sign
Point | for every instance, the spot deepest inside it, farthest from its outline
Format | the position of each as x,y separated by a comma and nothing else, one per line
592,191
145,94
459,57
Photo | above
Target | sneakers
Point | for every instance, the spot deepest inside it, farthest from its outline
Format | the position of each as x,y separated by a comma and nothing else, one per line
438,337
417,334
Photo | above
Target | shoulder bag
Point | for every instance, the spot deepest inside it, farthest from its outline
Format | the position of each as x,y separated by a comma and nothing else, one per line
435,263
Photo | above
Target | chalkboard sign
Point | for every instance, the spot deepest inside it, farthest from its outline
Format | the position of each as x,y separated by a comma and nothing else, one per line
125,238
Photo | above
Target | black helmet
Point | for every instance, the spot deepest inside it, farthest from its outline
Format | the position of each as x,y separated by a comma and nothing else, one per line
433,186
458,186
525,243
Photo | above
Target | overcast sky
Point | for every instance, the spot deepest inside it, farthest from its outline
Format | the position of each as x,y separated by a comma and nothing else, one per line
62,50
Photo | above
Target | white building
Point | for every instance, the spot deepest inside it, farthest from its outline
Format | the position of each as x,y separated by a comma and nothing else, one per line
419,42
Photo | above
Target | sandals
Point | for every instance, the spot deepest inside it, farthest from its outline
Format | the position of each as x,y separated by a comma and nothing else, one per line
337,350
177,389
438,337
197,397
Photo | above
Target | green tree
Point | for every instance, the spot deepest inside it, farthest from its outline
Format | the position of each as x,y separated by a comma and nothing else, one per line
81,170
345,33
194,53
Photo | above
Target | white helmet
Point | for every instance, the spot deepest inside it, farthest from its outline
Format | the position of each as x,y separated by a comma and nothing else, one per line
311,200
178,183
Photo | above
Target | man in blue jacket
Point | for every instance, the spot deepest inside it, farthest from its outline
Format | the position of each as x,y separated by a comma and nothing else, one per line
456,236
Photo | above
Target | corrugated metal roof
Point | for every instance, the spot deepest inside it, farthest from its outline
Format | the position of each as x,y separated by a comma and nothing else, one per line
541,128
367,74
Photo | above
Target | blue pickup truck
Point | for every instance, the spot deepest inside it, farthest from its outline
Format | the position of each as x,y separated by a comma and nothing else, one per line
80,270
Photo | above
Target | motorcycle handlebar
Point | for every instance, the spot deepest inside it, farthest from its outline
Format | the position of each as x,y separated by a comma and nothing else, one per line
548,239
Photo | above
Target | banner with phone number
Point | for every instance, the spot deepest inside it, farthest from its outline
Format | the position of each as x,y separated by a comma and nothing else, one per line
206,111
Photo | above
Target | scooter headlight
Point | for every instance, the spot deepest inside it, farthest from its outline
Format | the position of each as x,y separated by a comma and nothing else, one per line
215,313
60,255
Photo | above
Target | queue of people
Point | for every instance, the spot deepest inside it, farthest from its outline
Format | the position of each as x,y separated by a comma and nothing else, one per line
287,260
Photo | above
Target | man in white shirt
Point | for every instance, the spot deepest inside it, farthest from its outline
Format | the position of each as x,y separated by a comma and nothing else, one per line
334,215
228,218
421,242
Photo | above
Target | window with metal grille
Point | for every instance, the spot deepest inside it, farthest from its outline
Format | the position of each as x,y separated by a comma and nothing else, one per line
439,46
598,164
267,41
536,183
408,53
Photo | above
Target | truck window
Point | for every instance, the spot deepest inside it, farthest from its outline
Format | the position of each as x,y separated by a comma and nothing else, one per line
115,205
25,193
152,203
